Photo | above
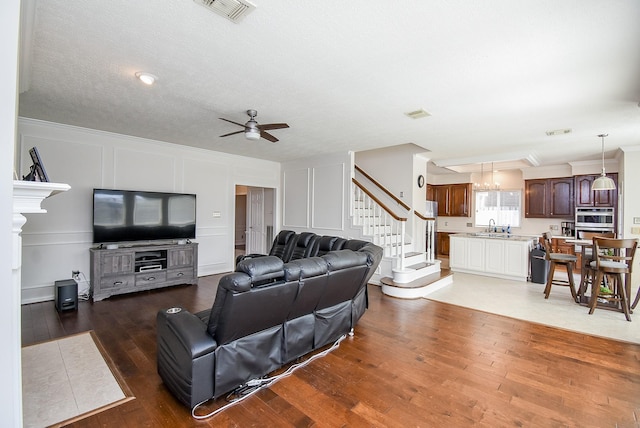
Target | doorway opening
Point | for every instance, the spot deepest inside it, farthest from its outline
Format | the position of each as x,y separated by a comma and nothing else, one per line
255,219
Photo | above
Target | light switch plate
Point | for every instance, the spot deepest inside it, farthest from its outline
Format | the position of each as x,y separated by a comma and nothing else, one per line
636,220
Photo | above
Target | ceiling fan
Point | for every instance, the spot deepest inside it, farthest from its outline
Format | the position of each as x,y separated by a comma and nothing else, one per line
253,130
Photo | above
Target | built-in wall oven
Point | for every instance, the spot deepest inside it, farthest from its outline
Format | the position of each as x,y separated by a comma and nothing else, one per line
599,220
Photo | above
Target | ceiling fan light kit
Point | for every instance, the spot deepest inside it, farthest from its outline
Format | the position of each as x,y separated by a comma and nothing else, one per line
603,182
252,134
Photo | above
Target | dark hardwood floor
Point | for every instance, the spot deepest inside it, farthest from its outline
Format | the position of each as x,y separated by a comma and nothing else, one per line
410,363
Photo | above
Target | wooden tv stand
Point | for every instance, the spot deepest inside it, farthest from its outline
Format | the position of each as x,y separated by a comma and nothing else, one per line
144,267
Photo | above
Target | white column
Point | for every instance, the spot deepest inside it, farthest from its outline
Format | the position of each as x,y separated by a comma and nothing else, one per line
27,198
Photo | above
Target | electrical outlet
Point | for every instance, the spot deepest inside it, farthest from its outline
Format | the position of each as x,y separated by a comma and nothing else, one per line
75,273
553,227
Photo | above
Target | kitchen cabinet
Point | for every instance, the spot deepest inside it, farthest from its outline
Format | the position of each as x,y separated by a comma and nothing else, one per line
442,243
430,194
506,257
585,197
560,245
495,262
549,198
454,200
458,254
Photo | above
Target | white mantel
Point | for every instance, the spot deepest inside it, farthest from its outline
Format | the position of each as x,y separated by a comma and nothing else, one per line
27,198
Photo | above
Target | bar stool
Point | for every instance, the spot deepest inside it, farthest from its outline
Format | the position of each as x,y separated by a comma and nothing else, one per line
613,257
586,273
566,260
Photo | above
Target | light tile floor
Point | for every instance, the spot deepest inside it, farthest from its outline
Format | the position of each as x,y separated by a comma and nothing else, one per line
525,301
65,378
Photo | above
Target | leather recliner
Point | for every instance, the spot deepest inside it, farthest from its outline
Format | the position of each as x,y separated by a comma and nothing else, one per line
265,314
282,247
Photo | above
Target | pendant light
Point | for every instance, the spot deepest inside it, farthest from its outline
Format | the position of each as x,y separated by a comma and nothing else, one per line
603,182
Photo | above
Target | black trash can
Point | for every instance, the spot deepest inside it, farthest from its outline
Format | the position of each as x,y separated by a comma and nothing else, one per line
539,265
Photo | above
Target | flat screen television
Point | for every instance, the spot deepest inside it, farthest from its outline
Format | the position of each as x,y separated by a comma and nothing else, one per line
130,215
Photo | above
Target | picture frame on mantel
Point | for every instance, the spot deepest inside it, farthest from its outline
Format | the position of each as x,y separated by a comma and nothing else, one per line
36,171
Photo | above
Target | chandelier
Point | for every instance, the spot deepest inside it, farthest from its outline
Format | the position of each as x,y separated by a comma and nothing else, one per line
484,185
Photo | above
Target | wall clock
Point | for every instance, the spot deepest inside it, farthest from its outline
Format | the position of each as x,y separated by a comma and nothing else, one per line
420,181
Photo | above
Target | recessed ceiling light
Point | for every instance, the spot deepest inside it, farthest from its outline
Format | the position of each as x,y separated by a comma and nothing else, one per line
146,78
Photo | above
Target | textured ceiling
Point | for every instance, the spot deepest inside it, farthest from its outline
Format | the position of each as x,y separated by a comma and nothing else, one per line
495,75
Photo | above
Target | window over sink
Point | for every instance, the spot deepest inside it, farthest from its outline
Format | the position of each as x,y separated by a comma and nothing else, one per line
503,206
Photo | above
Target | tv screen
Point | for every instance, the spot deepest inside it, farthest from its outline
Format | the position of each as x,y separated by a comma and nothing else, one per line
128,215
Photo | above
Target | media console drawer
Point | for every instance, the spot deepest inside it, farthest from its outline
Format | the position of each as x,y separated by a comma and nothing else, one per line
136,268
119,281
182,274
151,277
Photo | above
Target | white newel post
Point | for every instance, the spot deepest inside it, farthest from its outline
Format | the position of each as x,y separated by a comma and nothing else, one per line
27,198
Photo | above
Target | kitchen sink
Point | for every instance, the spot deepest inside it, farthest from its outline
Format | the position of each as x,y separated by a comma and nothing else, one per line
490,235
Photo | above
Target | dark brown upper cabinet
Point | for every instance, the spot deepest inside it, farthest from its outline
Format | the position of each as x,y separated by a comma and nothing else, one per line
549,198
585,197
454,200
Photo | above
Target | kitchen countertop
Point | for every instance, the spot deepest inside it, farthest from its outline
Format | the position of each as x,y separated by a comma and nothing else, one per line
496,235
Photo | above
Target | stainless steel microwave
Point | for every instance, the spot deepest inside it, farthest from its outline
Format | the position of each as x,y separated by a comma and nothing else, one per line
595,217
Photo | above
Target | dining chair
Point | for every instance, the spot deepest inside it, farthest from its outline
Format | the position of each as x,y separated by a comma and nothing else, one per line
586,273
562,259
613,258
635,301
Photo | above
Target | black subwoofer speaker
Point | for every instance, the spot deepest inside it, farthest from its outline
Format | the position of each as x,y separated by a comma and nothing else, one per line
66,295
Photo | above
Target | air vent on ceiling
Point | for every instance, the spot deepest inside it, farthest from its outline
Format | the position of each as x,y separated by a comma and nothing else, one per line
417,114
233,10
558,132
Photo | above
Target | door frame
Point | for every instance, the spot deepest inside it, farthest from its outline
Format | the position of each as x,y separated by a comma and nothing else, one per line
267,223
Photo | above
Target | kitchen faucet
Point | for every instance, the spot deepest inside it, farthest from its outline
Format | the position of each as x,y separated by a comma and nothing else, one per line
494,224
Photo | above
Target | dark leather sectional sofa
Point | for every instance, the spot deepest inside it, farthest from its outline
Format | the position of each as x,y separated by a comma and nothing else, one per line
266,314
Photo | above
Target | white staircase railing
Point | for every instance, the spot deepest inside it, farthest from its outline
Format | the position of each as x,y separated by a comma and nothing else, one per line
425,235
386,228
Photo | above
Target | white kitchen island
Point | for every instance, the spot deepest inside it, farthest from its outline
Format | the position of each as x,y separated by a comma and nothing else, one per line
491,254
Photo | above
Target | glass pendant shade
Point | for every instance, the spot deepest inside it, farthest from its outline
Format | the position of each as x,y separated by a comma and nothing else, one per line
603,182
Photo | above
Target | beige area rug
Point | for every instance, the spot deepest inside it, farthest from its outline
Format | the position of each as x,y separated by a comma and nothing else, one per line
525,301
68,379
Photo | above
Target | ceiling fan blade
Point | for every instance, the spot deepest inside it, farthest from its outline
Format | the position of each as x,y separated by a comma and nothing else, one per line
231,121
269,126
267,136
232,133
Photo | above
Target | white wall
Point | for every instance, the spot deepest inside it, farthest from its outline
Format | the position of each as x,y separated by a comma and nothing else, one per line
393,167
630,201
10,365
58,243
316,195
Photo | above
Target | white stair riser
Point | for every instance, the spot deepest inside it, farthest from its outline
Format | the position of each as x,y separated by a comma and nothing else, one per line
418,292
408,275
